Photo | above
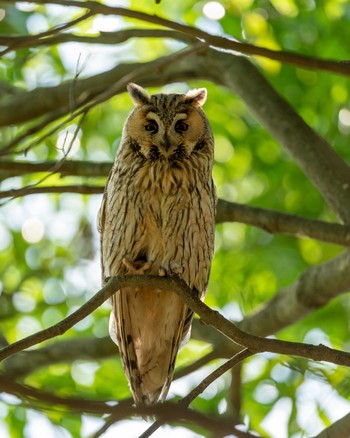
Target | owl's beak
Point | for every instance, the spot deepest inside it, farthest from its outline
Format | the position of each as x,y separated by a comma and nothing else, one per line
166,143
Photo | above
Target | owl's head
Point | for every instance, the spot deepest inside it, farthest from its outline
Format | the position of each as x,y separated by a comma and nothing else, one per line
168,128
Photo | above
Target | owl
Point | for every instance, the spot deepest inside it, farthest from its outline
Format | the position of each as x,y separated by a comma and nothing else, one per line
157,217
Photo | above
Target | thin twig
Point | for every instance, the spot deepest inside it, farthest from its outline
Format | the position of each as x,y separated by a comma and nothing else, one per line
188,399
194,366
51,117
81,189
21,41
56,167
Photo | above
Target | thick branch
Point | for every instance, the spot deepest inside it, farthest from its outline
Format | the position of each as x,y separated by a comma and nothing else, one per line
339,429
314,288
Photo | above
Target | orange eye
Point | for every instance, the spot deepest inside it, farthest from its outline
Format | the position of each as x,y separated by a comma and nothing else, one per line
181,126
152,127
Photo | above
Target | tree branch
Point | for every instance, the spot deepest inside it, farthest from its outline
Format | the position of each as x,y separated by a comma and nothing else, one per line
167,412
10,168
268,220
339,429
209,316
314,288
14,42
81,189
282,223
339,67
218,372
26,362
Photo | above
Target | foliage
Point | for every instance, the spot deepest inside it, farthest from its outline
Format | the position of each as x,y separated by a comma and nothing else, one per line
49,262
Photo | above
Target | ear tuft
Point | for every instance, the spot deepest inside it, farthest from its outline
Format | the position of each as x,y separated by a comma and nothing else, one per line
197,97
138,95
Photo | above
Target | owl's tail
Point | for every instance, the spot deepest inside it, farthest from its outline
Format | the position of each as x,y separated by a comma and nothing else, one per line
148,326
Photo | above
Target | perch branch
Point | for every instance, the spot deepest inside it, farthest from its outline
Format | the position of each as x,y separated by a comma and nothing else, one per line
208,316
314,289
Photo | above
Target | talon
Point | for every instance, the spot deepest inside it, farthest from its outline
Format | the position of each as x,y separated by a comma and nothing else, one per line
176,269
133,269
129,266
162,272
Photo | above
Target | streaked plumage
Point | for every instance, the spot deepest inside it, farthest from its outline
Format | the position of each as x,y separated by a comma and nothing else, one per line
157,217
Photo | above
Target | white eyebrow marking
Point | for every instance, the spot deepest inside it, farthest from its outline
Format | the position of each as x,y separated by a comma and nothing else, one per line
181,116
153,116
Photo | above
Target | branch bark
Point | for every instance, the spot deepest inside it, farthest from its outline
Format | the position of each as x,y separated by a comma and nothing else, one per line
26,362
254,343
10,168
314,288
268,220
167,412
119,37
339,429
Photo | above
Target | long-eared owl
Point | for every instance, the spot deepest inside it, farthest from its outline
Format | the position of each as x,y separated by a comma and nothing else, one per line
157,217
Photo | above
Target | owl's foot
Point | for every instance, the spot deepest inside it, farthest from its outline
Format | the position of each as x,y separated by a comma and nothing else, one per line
136,268
175,270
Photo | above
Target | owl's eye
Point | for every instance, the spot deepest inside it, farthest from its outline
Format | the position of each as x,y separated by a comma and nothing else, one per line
152,127
181,126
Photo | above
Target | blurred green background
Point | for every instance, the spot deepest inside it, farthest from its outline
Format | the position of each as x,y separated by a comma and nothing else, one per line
49,261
